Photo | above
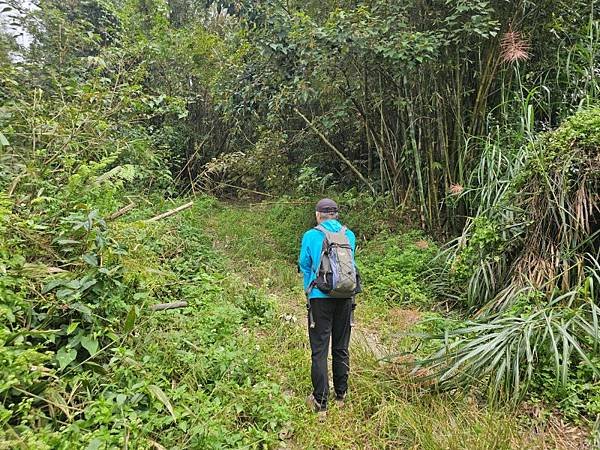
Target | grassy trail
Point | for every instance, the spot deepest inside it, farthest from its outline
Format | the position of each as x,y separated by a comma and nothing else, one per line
385,409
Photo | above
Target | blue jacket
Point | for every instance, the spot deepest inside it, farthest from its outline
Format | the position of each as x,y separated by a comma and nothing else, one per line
310,253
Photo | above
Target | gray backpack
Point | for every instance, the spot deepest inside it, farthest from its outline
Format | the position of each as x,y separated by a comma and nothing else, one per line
337,276
337,273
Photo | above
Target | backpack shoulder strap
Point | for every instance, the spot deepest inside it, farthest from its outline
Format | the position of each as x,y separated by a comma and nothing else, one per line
325,231
321,228
335,237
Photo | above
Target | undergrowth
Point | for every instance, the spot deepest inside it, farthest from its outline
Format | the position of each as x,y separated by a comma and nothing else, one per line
526,268
386,407
231,369
106,370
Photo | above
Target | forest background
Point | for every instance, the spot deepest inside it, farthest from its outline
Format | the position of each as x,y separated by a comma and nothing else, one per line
473,121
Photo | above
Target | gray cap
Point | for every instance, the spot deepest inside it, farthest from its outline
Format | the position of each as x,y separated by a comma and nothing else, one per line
327,205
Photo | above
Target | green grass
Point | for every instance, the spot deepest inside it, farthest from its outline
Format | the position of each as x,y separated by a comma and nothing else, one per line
386,408
232,369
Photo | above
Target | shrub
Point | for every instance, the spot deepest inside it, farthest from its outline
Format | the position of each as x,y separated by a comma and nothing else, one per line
392,268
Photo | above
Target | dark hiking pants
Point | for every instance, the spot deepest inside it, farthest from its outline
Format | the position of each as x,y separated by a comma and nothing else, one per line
332,317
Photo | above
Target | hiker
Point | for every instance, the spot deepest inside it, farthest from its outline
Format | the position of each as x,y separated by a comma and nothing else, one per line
330,283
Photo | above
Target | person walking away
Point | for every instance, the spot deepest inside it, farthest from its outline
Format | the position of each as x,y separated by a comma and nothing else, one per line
330,282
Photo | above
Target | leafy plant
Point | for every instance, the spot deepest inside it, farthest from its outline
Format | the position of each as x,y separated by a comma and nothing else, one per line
393,265
530,264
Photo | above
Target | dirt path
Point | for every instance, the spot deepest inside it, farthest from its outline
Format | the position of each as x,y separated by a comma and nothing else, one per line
274,275
387,409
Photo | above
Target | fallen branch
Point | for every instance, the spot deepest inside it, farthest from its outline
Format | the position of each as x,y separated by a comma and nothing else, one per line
334,148
105,176
13,185
163,306
275,202
124,210
171,212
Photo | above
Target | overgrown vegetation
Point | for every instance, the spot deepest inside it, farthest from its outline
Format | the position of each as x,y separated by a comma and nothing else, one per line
387,409
476,122
89,363
529,261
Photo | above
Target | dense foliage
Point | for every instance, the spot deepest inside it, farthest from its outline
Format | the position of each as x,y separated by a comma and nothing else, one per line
89,118
467,118
529,261
404,91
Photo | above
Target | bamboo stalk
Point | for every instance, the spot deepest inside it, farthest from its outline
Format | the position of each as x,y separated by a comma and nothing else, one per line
333,147
171,212
417,157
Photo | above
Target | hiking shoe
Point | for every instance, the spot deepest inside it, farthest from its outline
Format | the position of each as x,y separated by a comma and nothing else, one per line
315,406
340,400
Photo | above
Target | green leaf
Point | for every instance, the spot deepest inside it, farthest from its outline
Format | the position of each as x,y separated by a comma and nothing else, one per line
72,327
94,444
130,321
90,344
85,285
63,293
95,367
52,285
159,394
92,260
65,356
73,284
121,399
81,308
112,336
3,141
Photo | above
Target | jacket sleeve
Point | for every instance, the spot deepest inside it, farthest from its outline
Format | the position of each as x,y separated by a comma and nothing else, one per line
305,260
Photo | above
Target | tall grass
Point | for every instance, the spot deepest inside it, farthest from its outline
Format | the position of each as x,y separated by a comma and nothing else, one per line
529,262
385,408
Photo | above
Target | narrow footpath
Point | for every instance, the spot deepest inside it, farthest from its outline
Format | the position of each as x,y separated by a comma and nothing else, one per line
386,409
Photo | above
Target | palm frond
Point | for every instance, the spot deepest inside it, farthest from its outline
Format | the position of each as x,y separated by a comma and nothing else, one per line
501,355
